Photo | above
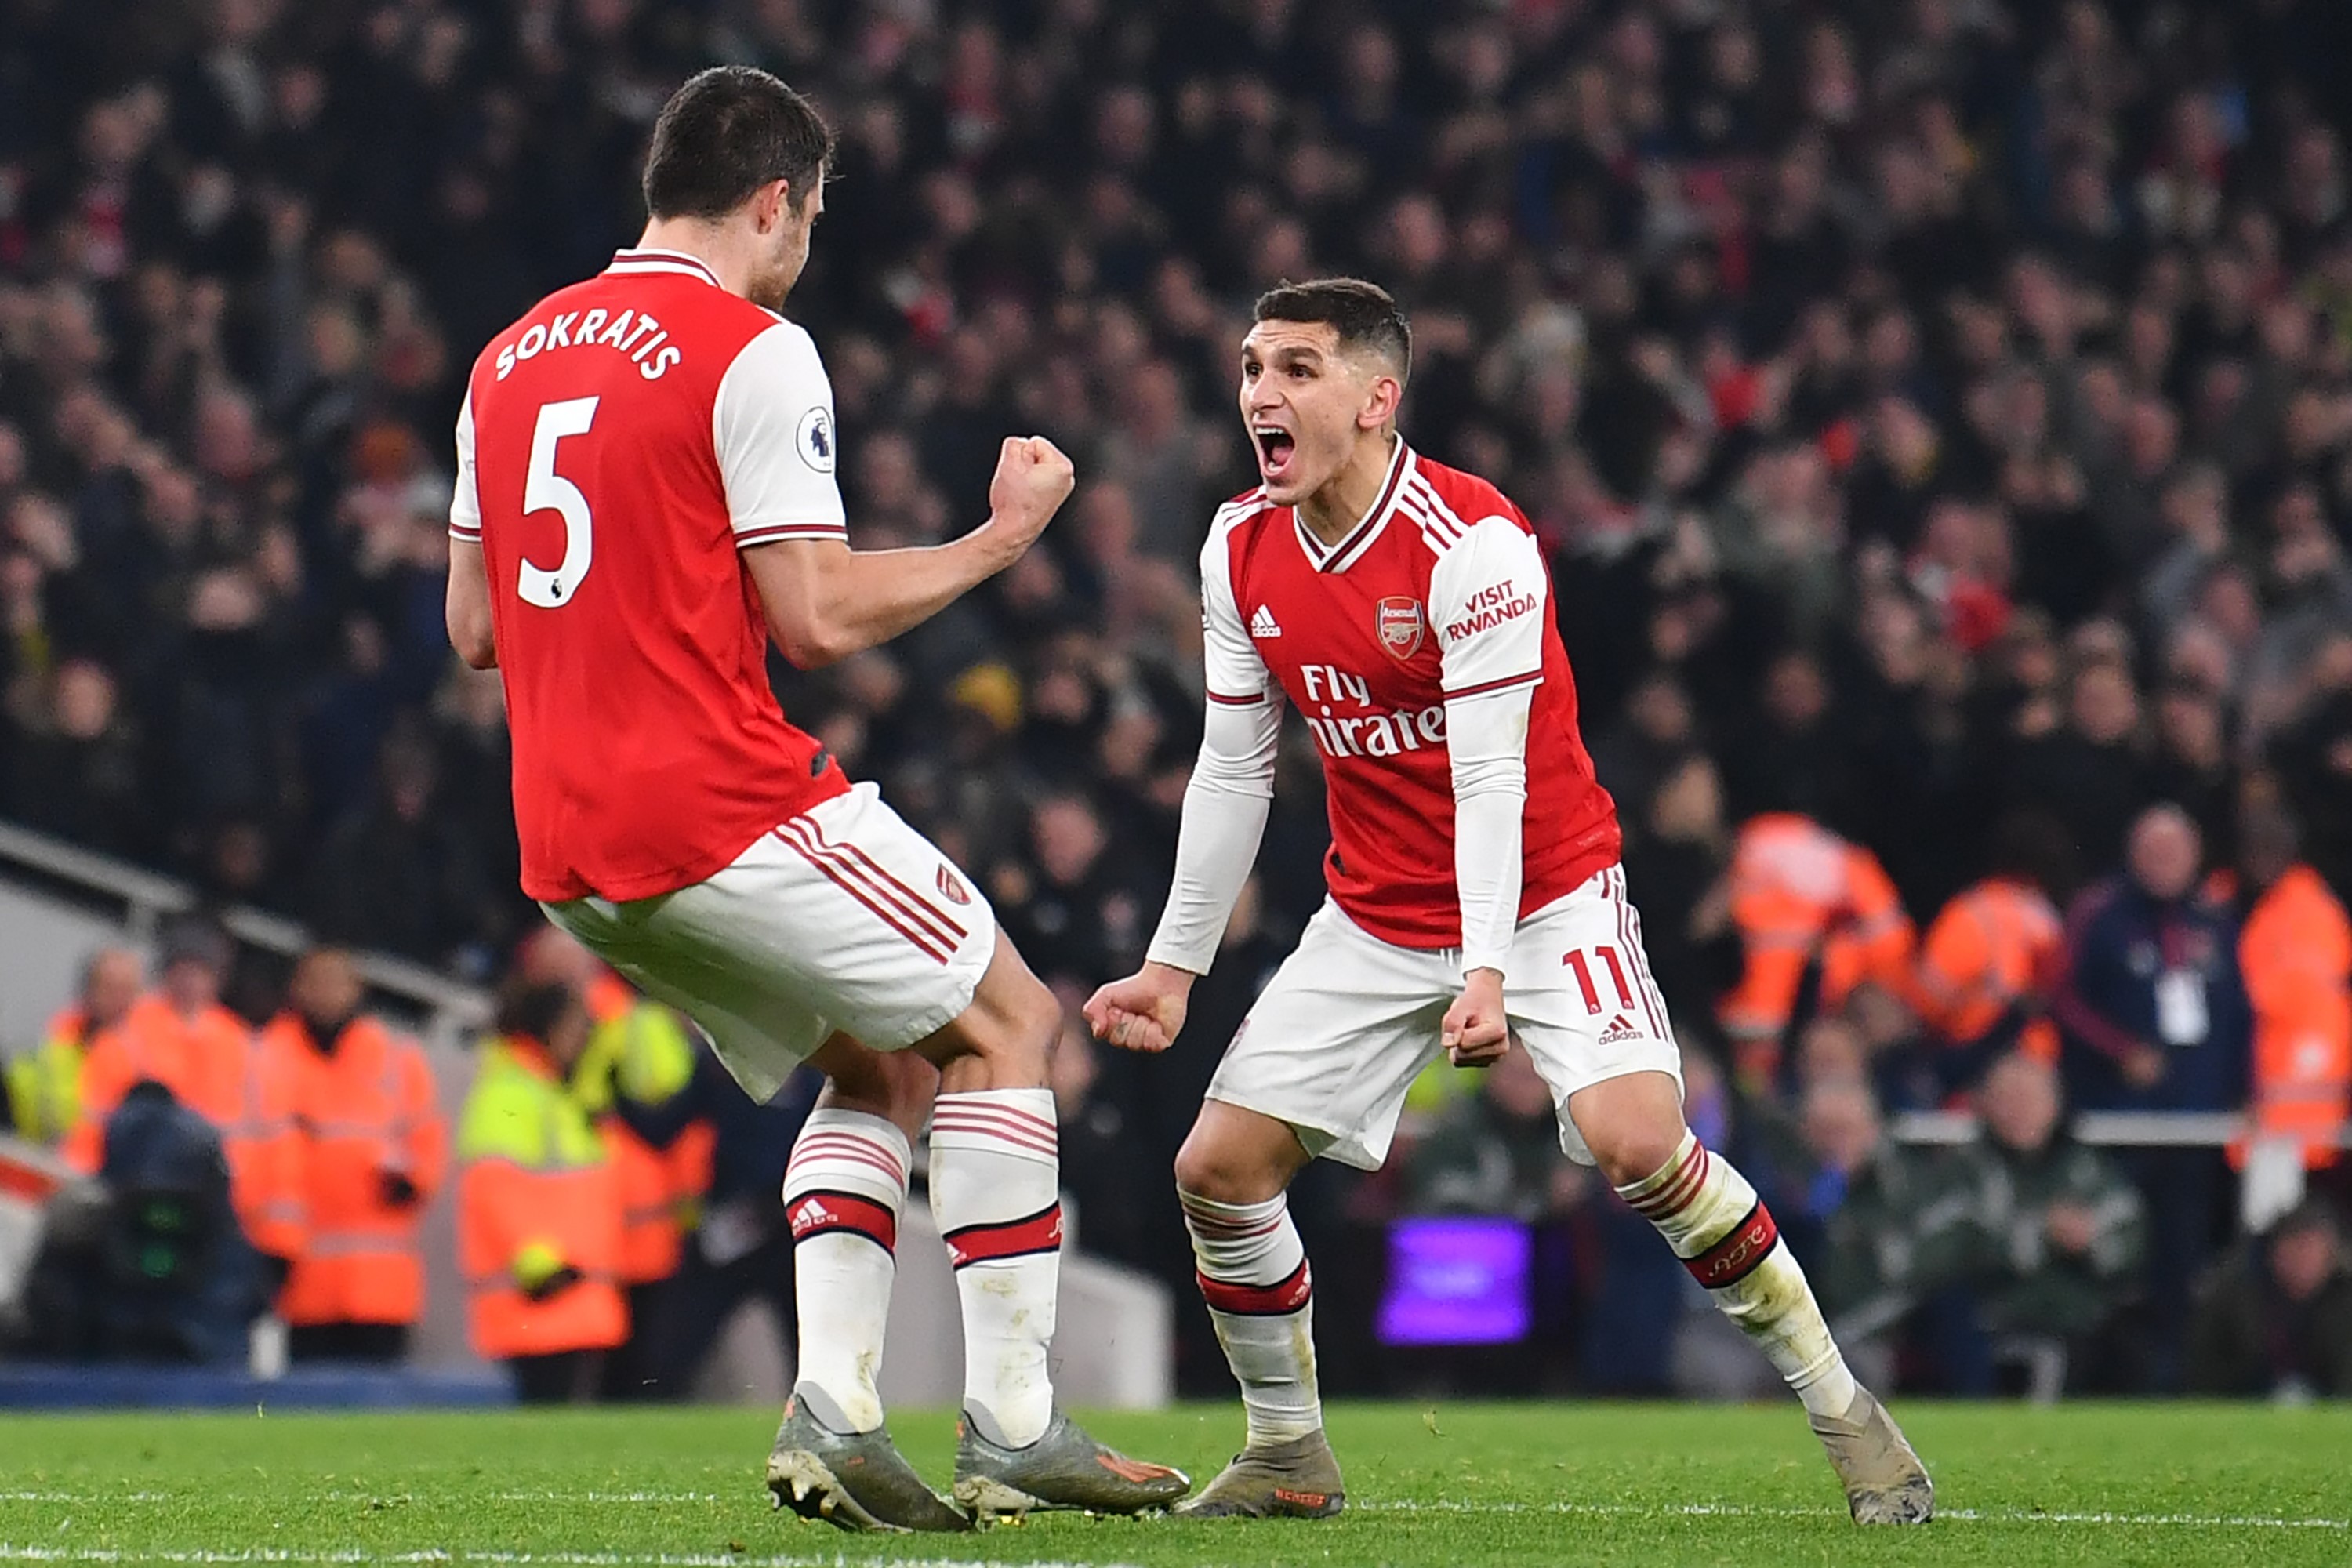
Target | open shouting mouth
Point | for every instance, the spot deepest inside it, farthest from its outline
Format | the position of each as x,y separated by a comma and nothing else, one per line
1276,450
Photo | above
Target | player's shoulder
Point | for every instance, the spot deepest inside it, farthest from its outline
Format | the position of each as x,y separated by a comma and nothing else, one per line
1241,510
1237,522
1448,502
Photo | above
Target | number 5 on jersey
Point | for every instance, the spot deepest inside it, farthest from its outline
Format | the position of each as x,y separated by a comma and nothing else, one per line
544,489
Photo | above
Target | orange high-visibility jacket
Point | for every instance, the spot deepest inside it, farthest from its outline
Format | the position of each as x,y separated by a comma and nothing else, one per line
1994,946
642,1054
1796,889
2296,954
365,1111
209,1063
537,1193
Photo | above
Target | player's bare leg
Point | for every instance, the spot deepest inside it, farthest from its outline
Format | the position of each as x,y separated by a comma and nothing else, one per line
995,1181
1232,1177
1727,1238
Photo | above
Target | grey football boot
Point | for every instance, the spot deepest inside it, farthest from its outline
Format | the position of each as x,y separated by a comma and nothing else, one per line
1064,1468
857,1480
1296,1479
1884,1481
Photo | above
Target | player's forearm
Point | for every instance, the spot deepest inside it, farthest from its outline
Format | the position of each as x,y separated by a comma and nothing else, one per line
1487,737
1223,822
467,607
850,600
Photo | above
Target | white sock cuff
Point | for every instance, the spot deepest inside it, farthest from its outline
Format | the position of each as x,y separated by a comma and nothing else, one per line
1671,1180
1207,1216
849,1151
1018,1123
1253,1245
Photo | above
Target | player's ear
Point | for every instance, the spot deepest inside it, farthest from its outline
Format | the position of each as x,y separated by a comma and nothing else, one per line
1381,402
770,205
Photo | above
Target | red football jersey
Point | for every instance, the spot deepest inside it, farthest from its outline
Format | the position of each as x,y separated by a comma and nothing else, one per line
619,445
1440,592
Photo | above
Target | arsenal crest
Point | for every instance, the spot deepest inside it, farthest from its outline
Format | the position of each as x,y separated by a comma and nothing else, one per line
1398,621
952,886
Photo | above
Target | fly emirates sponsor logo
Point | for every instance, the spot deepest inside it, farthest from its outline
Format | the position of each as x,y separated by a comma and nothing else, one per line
632,333
1489,609
1372,734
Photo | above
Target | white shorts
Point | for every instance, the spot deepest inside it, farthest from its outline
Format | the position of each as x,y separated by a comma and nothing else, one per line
1348,1021
841,920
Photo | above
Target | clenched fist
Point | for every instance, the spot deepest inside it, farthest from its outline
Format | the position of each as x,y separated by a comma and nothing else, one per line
1476,1032
1144,1011
1034,478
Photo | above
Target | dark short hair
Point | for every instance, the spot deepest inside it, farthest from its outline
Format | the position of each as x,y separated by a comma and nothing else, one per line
533,1008
727,131
1364,315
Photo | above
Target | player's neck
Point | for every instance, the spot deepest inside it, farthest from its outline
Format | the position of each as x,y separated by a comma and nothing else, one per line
1332,512
714,247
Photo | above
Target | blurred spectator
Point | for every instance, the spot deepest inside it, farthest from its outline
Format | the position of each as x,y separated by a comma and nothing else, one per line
633,1081
181,1037
1675,863
2153,1006
44,1083
2155,1016
2048,1235
2274,1317
1804,899
146,1262
375,1150
2296,952
539,1215
1989,967
1848,1199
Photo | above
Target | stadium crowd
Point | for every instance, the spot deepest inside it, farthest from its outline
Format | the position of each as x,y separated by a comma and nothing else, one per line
1939,415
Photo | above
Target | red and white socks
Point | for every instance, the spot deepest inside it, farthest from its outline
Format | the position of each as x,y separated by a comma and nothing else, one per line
1727,1238
996,1179
1253,1273
844,1188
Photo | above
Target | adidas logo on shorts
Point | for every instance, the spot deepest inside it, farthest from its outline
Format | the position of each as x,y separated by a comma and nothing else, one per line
1261,623
1618,1031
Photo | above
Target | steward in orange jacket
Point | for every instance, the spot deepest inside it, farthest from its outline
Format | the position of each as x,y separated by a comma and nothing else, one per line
538,1227
1993,958
2296,951
1800,893
183,1038
633,1083
374,1152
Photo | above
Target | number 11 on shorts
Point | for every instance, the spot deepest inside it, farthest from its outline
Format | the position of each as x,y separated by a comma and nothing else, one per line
1609,960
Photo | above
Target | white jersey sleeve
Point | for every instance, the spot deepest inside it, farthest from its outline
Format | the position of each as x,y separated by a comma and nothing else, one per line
772,425
1488,598
1226,802
465,499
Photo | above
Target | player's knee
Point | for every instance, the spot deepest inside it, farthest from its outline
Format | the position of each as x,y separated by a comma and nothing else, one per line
1636,1149
1025,1019
1217,1169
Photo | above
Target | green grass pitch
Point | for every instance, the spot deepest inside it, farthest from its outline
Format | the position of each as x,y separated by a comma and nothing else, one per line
1644,1486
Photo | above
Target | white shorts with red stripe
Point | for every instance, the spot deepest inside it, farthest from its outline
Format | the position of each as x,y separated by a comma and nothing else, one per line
1348,1021
841,920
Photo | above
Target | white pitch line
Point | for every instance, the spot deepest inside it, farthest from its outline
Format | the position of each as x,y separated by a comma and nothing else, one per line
258,1557
1393,1505
1746,1510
